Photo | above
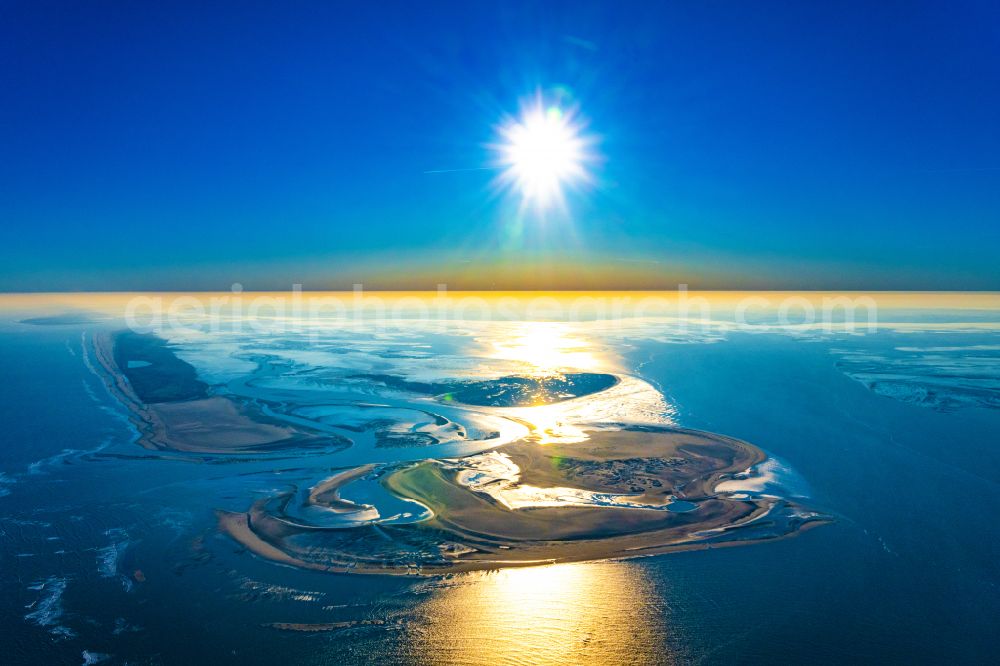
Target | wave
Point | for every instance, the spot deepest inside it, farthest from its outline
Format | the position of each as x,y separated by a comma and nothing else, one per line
109,558
5,483
774,477
47,610
40,466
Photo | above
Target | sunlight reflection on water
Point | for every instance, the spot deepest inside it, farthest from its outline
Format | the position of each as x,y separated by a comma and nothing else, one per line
546,348
586,613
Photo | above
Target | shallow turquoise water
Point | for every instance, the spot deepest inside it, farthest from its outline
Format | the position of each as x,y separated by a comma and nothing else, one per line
909,569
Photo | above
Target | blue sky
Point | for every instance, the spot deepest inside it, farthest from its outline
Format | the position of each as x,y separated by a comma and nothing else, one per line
742,145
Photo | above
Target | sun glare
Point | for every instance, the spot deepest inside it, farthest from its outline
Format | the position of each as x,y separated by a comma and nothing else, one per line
541,153
545,349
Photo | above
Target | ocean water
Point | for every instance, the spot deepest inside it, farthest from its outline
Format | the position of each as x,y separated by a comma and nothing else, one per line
109,553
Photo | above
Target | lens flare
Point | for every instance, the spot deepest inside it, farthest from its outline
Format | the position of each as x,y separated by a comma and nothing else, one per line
542,153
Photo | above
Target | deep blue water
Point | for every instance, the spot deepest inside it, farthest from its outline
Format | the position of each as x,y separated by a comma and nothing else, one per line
909,570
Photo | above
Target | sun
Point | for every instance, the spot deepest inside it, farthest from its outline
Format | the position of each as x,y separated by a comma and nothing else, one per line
541,153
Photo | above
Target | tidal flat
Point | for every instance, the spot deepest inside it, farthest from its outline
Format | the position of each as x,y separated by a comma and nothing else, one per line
586,490
173,409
